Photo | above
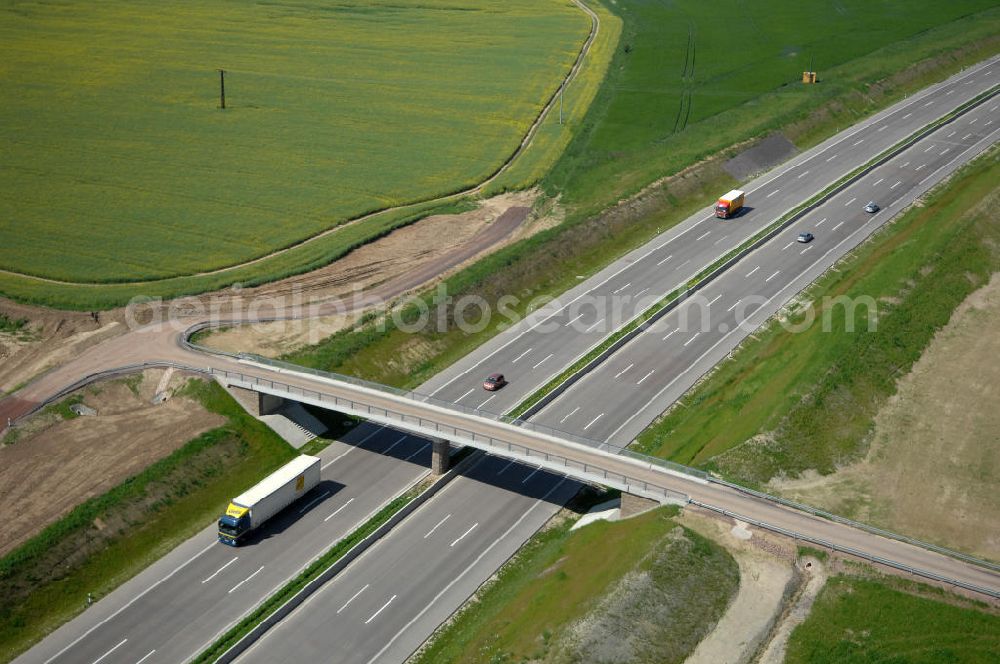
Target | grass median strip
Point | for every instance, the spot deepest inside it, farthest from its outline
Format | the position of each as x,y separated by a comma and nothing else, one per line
307,576
709,272
554,260
767,412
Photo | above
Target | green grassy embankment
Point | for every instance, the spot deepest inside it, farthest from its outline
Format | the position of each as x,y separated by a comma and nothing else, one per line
787,401
864,620
552,261
108,539
640,590
687,90
119,149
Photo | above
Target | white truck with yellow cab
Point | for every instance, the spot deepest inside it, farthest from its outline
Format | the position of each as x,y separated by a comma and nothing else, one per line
247,511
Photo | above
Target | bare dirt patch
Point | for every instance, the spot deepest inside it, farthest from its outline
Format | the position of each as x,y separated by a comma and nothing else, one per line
933,469
767,579
413,257
50,338
815,575
54,336
56,464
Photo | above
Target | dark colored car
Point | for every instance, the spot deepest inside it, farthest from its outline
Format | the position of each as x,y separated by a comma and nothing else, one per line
494,382
805,237
872,207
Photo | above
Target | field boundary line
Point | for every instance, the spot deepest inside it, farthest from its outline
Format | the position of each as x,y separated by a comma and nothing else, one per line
639,323
595,23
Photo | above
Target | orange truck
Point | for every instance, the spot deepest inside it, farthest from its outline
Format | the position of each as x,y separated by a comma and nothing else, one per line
730,204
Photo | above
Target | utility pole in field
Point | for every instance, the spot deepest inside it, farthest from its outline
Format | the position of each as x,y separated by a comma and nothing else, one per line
222,89
561,91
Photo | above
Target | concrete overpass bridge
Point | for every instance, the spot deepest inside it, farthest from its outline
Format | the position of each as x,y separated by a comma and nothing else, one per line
637,476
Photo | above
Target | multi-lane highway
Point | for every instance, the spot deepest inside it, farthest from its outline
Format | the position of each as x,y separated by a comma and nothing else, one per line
392,598
602,404
175,608
529,354
652,371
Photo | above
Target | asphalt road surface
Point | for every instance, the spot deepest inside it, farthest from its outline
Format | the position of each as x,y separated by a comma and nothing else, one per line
529,357
623,395
530,353
178,606
401,589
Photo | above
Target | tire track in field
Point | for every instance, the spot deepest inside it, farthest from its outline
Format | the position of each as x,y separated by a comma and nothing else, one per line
687,81
595,26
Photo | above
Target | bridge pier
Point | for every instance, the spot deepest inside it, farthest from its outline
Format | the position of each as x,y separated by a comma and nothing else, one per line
440,456
633,504
256,403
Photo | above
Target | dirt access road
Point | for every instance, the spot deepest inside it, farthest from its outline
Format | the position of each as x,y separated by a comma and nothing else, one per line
408,259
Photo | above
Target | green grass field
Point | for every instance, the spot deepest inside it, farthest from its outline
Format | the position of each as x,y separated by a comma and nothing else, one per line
548,263
793,386
118,165
863,620
694,77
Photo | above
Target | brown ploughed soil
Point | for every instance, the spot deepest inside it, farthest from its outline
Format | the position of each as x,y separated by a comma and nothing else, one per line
56,464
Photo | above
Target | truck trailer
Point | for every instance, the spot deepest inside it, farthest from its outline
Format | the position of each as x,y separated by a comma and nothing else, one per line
247,511
730,204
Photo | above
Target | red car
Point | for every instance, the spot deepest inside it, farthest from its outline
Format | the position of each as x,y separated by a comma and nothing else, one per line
494,382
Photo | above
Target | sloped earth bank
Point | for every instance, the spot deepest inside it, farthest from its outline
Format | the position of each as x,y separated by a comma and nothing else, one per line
413,256
767,579
815,576
933,468
654,613
57,463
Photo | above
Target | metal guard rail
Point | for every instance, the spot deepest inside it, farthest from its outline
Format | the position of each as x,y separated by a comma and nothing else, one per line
617,449
549,461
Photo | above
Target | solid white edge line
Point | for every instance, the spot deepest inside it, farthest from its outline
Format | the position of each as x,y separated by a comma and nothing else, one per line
875,119
129,603
790,283
958,156
458,578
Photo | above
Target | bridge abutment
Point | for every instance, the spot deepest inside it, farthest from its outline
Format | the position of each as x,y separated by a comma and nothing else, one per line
256,403
633,504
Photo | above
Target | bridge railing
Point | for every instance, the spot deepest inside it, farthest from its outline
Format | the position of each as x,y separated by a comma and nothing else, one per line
668,465
451,405
433,427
